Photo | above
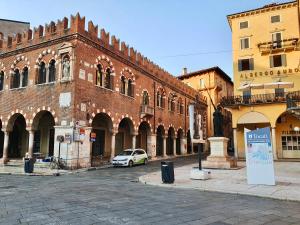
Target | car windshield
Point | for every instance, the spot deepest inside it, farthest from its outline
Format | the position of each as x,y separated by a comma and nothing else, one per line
126,153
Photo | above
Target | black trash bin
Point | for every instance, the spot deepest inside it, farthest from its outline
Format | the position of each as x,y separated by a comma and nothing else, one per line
167,172
28,165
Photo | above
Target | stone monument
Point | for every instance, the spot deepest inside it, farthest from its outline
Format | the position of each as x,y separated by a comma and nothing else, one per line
218,158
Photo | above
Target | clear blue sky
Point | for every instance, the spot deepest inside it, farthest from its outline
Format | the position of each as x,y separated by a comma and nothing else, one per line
162,30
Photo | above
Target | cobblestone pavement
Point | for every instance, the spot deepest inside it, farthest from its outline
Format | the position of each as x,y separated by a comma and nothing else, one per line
113,196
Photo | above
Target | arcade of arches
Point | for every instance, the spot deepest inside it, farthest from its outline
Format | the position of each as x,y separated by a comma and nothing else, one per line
284,129
39,138
111,141
18,138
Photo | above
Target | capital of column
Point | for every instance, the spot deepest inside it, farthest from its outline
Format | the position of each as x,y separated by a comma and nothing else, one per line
29,129
4,130
135,134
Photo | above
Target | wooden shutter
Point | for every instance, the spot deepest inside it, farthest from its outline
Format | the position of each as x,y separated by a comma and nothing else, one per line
251,63
283,60
239,65
271,62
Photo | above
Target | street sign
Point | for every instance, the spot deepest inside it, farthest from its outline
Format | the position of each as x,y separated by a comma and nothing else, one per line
68,138
92,137
60,138
81,134
259,156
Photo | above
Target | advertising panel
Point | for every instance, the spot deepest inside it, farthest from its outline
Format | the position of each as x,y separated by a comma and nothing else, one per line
259,156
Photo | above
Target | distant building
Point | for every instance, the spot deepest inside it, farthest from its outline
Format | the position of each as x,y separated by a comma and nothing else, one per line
212,83
11,27
266,65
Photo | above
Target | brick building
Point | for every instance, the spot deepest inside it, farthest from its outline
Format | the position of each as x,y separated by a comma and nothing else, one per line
64,80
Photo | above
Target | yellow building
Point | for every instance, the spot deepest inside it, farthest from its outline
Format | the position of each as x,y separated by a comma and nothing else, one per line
213,83
266,65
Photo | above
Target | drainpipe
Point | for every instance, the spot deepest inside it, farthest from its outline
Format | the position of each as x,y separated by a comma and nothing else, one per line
298,1
154,107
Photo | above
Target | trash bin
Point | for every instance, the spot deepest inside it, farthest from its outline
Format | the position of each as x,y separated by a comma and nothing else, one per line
28,165
167,172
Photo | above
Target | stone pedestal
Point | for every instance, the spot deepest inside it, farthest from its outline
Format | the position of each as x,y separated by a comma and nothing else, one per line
219,158
197,174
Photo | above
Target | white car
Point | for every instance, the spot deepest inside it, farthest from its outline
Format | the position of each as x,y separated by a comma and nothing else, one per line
130,157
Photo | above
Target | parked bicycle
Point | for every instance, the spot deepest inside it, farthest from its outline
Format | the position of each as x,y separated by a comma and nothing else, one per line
58,163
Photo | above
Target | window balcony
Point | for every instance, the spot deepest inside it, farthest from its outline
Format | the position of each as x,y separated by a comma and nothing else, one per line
278,46
260,99
146,110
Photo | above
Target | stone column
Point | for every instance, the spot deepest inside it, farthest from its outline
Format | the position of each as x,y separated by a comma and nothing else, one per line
174,146
126,87
47,73
164,146
30,143
134,141
113,145
151,145
274,143
183,146
5,147
236,155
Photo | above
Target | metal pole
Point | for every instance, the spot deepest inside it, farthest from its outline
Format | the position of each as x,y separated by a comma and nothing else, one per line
78,157
59,150
199,155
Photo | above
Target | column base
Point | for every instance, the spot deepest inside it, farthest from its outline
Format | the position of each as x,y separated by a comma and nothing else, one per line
219,162
4,161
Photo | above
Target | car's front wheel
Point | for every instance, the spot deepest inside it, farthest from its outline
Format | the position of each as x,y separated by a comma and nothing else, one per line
145,161
130,164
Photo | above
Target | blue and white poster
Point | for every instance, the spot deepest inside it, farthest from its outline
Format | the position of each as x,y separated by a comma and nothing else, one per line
259,157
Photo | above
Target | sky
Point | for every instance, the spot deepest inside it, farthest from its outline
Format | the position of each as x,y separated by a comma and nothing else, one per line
172,33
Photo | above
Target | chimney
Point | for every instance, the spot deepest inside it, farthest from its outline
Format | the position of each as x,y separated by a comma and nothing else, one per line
184,71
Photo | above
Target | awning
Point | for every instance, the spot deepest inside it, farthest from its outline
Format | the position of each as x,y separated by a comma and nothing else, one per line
250,86
279,84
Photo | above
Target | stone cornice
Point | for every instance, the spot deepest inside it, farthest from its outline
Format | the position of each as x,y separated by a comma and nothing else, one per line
271,7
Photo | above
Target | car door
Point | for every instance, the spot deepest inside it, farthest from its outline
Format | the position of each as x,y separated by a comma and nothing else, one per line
135,157
140,156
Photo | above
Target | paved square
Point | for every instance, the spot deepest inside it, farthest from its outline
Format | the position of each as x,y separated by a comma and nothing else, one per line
113,196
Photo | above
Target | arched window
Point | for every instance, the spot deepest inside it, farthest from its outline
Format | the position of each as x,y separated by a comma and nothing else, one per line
158,99
129,88
25,77
172,105
52,71
1,80
162,100
123,85
145,98
181,108
15,79
99,76
42,73
169,103
107,82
